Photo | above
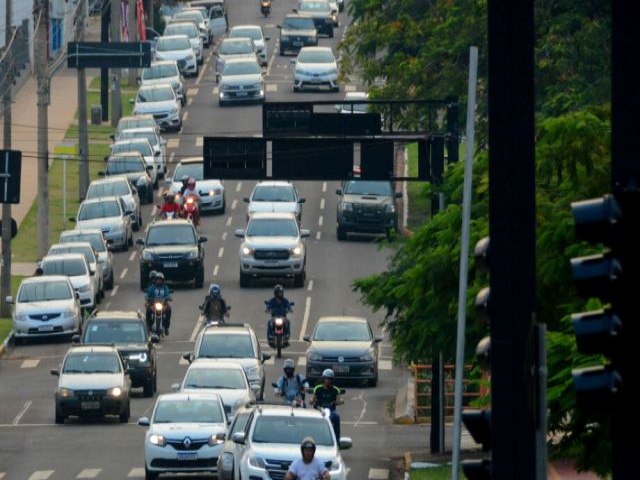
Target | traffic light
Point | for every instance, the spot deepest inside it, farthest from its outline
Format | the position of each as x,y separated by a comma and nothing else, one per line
598,221
478,422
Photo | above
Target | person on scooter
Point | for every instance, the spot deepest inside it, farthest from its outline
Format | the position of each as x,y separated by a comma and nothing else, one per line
308,467
327,395
291,384
278,305
191,192
158,289
214,307
185,180
169,205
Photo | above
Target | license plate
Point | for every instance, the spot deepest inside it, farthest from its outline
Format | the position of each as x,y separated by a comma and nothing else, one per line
90,405
270,263
46,328
341,368
187,456
241,94
170,264
297,44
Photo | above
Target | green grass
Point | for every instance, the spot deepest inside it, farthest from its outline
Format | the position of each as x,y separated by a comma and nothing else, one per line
419,203
5,323
437,473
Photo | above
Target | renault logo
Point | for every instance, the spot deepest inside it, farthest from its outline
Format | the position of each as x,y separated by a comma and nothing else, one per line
90,392
45,317
186,442
340,359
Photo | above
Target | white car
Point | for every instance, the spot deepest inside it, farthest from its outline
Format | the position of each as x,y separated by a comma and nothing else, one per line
74,266
224,378
162,102
110,215
144,148
158,143
242,47
197,16
212,197
255,33
135,121
275,196
186,433
241,80
45,305
118,185
96,238
191,30
178,48
353,107
90,254
165,71
315,67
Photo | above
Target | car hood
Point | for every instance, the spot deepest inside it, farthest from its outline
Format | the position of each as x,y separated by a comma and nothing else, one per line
298,32
203,186
43,306
170,250
174,54
368,199
194,430
271,242
93,381
155,107
79,280
316,67
106,223
230,397
340,348
289,452
287,207
250,79
161,81
133,347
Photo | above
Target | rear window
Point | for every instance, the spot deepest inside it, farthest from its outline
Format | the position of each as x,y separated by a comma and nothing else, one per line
95,239
103,331
89,211
71,267
368,188
86,251
220,345
163,70
109,189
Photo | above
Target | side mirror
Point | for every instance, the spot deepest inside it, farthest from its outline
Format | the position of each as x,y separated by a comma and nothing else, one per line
55,372
157,153
398,195
102,173
77,296
202,239
221,437
139,241
72,219
175,386
239,233
306,337
274,384
305,233
128,212
266,39
294,10
110,241
378,338
238,438
144,421
345,443
265,357
106,158
149,168
279,26
188,356
9,300
293,60
338,191
302,200
293,304
246,200
155,338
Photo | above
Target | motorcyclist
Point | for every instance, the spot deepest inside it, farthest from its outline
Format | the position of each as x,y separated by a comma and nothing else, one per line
185,180
169,205
327,395
308,467
265,7
191,191
278,305
158,289
191,188
214,306
291,384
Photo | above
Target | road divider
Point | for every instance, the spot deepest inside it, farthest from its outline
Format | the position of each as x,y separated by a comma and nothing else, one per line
234,204
320,221
322,204
229,220
238,186
324,186
310,286
215,270
221,252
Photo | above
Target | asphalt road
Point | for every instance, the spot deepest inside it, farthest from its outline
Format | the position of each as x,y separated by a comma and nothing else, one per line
32,447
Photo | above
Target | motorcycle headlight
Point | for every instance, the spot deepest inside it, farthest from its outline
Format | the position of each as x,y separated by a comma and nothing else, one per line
157,440
247,251
279,322
366,357
147,255
315,357
256,462
65,392
347,207
391,208
158,306
115,392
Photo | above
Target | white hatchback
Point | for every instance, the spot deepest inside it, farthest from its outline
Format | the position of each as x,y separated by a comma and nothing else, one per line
74,266
256,34
315,67
162,102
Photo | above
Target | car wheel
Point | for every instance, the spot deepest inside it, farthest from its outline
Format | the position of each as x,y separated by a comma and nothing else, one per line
220,103
155,382
139,222
130,240
282,52
149,475
296,89
97,299
341,233
59,417
224,206
200,279
155,184
150,195
124,416
298,280
147,389
244,280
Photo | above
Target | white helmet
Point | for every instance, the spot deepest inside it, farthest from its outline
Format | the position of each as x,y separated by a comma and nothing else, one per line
328,373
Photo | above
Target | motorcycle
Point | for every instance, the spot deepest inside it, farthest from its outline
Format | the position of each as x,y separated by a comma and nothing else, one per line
265,7
158,308
278,324
327,410
296,402
190,209
214,321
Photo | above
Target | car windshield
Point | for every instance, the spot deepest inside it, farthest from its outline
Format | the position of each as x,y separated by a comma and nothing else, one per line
269,227
314,7
161,94
195,171
171,235
291,429
93,362
44,291
197,16
299,23
71,267
95,239
342,332
129,123
368,188
188,29
169,44
108,189
235,48
315,56
241,68
131,134
141,147
104,209
226,346
193,410
254,33
160,71
214,378
130,165
115,332
87,251
265,193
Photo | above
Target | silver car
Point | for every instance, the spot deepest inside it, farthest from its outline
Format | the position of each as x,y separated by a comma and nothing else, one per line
178,48
315,67
241,80
255,33
158,143
144,148
110,215
165,71
74,266
118,186
45,305
242,47
191,30
96,238
186,433
162,102
275,196
212,197
201,20
273,247
135,121
90,254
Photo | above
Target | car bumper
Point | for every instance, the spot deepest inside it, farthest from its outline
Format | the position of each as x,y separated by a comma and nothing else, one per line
295,45
344,371
188,65
167,120
272,268
184,270
118,238
105,406
56,326
209,203
87,299
139,375
315,81
365,225
275,471
241,95
167,459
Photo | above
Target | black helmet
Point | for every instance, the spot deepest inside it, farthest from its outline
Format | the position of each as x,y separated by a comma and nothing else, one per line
184,179
308,442
278,291
289,364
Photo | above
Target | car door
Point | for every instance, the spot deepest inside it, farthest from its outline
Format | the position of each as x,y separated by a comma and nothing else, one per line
126,217
239,450
217,21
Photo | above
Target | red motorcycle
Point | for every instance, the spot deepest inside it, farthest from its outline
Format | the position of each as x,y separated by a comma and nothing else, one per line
190,209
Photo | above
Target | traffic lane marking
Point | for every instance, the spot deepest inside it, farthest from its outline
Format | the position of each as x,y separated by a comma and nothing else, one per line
378,474
41,475
89,473
30,363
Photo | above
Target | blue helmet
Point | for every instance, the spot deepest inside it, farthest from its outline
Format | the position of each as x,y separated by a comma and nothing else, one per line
214,289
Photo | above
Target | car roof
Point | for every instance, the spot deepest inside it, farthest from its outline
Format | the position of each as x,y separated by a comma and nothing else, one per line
274,183
115,315
241,60
239,27
228,328
45,279
186,396
273,215
157,86
125,155
131,140
93,349
165,224
298,15
180,35
236,39
285,410
110,198
81,231
345,319
136,117
71,245
356,96
163,62
215,363
141,130
63,256
316,49
110,179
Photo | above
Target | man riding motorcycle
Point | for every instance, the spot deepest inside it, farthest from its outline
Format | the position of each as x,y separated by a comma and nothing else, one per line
308,467
278,305
191,191
327,395
291,385
185,180
214,307
158,289
169,209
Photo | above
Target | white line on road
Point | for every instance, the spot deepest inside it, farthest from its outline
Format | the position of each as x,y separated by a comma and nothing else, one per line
302,361
199,141
221,252
324,186
202,70
229,221
385,365
107,305
272,87
310,286
192,92
136,472
21,413
378,474
185,116
215,270
234,204
322,204
30,363
189,102
173,143
320,221
215,91
318,235
41,475
133,256
89,473
114,291
305,319
124,273
238,186
224,235
154,210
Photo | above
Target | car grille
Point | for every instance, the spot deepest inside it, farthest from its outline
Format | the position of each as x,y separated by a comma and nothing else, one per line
369,213
169,257
277,469
193,445
159,116
90,395
344,359
44,317
271,254
179,464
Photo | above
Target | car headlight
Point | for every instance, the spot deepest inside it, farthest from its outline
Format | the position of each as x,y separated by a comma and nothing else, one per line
256,462
315,357
247,251
335,465
157,440
147,255
65,392
69,312
138,357
347,207
115,392
391,208
214,440
84,288
253,373
297,250
215,191
21,317
366,357
173,111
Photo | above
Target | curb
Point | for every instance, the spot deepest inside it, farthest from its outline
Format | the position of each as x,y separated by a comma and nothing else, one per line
5,343
405,404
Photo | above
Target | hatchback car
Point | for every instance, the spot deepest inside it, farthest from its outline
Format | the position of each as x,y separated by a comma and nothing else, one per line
127,331
76,267
241,47
353,107
90,255
297,31
324,17
256,34
275,196
92,382
165,71
185,435
197,16
111,216
143,147
241,80
162,102
45,305
135,121
315,67
346,345
178,48
134,168
158,143
212,196
118,186
191,30
173,248
96,238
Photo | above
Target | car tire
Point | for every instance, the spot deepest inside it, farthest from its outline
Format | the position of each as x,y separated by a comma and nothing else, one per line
341,233
124,416
135,226
147,388
298,280
296,89
244,280
282,52
224,206
139,222
200,279
97,299
59,417
220,103
149,475
130,240
150,195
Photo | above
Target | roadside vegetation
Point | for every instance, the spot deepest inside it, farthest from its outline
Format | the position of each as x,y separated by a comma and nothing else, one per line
421,52
6,323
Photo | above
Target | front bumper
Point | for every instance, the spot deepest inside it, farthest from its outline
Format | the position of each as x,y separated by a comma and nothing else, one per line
242,94
272,268
61,325
294,43
273,470
210,203
105,405
167,120
319,80
360,370
364,224
168,459
184,270
118,238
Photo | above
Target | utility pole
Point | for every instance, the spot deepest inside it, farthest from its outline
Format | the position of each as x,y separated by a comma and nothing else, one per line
5,278
41,58
116,102
133,37
83,136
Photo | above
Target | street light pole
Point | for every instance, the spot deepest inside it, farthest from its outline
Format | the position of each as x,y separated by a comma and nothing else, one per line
41,57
